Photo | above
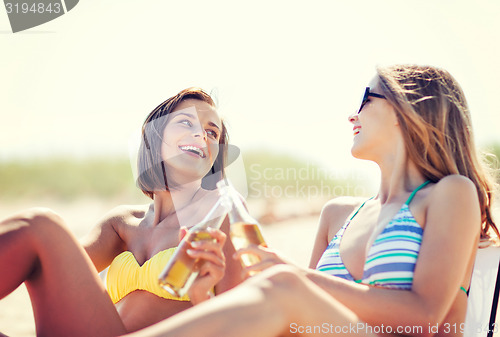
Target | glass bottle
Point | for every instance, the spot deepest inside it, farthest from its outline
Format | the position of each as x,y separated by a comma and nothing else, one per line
244,230
181,270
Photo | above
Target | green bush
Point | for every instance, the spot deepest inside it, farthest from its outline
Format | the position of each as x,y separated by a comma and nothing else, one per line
492,158
66,179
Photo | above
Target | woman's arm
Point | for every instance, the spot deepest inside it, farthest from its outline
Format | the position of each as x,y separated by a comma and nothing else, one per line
103,243
333,216
450,239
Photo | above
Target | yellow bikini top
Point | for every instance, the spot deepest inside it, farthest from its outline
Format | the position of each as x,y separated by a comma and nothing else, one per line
125,275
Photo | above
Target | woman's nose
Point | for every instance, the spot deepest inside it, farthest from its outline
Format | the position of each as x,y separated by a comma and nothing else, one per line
201,133
352,117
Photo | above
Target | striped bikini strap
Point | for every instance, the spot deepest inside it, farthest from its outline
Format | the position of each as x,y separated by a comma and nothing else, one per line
410,198
407,201
359,208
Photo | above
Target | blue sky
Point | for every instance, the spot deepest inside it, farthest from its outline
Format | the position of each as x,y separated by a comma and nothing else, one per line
286,73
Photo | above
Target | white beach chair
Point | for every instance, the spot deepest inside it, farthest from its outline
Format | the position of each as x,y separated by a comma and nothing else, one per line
481,319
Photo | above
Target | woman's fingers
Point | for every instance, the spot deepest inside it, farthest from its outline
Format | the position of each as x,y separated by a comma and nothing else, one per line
210,254
265,256
210,274
263,253
216,270
211,264
256,268
215,246
218,235
209,250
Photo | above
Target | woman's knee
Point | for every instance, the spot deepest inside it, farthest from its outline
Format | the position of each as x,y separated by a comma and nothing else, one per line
36,221
282,283
286,277
42,216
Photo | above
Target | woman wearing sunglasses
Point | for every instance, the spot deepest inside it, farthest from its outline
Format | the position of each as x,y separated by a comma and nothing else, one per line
399,263
402,260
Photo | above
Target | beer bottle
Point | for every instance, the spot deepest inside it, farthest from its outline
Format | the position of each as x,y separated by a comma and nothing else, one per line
182,270
244,230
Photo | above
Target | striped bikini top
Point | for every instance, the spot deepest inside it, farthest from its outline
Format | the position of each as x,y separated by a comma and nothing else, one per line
391,259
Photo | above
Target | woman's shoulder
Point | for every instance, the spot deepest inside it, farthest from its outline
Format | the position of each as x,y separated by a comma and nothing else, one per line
455,181
334,214
336,211
341,206
454,200
455,188
123,214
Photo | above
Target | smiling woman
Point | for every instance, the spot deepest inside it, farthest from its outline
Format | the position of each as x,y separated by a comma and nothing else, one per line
190,111
181,157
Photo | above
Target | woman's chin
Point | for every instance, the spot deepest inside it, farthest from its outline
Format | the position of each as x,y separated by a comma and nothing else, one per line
355,152
182,171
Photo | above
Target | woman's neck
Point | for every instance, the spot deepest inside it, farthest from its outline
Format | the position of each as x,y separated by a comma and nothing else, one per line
167,203
399,176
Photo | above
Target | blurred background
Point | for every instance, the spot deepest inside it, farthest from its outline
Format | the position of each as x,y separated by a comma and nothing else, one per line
285,74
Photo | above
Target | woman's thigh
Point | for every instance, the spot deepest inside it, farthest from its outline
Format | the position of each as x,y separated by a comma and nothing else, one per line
67,295
277,302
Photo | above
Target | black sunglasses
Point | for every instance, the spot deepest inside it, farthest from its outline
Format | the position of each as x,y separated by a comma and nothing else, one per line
366,96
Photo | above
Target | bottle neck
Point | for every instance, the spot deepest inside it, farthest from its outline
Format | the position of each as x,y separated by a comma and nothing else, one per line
238,212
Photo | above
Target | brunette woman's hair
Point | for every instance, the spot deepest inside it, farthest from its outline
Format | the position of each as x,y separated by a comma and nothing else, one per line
150,165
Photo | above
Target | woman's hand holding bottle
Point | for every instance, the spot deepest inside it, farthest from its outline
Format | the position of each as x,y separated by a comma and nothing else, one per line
211,267
266,257
200,246
246,236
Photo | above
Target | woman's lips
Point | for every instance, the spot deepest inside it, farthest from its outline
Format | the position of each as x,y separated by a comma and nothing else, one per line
193,150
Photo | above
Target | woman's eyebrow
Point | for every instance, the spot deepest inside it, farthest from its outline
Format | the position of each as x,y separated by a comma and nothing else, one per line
196,117
214,125
186,114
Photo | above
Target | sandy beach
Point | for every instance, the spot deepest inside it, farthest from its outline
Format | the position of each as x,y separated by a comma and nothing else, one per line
293,237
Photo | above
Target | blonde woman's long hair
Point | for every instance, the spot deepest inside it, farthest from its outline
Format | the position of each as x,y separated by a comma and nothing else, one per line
436,125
